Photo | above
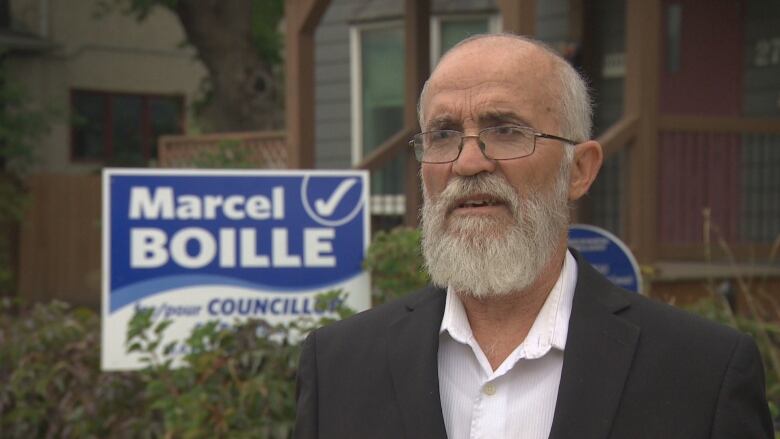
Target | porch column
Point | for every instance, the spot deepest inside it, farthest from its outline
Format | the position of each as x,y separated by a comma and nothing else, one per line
301,20
643,27
416,69
518,16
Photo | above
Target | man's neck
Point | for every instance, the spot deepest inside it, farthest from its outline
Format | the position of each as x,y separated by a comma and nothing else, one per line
500,324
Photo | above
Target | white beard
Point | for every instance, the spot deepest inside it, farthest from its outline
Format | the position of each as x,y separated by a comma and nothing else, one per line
485,256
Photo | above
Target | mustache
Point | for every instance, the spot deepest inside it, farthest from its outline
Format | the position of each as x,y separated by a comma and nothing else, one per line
483,185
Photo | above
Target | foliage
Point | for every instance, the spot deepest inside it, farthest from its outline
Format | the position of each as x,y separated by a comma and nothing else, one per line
52,385
228,154
760,314
719,311
396,264
238,381
266,15
231,381
240,35
21,126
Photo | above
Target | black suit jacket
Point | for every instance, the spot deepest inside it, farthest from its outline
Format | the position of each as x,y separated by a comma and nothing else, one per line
632,368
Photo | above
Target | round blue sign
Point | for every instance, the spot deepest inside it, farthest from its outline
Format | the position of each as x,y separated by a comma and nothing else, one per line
608,254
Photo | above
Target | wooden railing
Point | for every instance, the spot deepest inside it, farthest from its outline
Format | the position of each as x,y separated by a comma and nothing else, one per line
726,165
720,177
266,150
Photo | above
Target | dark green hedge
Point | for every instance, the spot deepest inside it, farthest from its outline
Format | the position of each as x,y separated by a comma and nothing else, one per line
240,381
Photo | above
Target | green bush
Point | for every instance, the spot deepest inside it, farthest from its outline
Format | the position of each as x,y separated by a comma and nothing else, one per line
235,381
51,380
765,334
396,264
238,381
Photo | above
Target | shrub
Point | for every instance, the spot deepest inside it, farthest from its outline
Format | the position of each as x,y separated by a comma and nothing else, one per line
396,264
52,384
239,381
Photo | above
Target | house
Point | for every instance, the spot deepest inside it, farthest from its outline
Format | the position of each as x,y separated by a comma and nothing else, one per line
687,107
114,83
111,85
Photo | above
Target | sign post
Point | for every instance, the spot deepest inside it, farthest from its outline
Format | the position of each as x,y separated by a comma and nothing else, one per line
221,245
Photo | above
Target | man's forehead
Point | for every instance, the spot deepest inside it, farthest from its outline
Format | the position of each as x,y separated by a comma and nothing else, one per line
498,71
492,54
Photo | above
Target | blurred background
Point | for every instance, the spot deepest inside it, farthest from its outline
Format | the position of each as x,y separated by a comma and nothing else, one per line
686,93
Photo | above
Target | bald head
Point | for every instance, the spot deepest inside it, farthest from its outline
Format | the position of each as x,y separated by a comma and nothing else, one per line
556,89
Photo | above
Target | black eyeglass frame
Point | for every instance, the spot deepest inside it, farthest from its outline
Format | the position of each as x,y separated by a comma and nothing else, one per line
418,151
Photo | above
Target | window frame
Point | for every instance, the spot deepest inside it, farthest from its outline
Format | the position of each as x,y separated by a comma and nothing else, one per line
108,97
389,204
355,60
494,25
356,82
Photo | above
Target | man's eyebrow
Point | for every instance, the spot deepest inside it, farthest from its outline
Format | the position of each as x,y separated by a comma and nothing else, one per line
441,122
493,118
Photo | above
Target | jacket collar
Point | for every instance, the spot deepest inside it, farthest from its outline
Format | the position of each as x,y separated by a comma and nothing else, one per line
599,350
597,359
413,345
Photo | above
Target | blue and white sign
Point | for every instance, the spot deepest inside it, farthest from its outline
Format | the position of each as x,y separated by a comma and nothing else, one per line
224,245
608,254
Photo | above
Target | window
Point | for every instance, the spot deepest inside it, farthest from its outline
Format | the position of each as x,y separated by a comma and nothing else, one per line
378,106
121,128
5,14
377,56
447,31
673,36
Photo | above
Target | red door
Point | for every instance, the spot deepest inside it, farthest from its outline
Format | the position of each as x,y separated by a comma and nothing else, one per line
701,74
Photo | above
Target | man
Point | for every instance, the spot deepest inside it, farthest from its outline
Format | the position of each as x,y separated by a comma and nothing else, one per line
521,338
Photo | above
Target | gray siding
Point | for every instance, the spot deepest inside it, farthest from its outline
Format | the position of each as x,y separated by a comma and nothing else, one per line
332,87
332,61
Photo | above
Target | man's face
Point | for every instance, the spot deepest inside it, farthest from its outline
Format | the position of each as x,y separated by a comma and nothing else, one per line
499,246
482,86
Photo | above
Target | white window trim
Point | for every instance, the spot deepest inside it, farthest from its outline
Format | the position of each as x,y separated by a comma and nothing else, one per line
380,204
494,26
355,76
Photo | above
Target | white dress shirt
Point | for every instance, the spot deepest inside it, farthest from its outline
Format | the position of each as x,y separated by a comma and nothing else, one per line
517,400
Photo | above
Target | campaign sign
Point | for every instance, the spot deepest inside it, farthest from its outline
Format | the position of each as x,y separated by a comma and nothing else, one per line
199,246
608,254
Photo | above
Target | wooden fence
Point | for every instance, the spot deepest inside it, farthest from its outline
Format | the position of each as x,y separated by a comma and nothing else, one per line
59,254
261,149
60,237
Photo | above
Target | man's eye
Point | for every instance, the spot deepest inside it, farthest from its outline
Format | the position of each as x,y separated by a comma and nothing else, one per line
440,135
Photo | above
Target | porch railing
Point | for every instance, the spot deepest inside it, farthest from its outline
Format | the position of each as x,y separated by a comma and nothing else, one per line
260,149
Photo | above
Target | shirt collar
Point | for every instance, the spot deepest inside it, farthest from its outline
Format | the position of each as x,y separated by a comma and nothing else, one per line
550,328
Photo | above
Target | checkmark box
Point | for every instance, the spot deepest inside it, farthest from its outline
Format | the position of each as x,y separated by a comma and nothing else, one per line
326,207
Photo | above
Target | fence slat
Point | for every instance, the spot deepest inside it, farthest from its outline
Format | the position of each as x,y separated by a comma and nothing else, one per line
59,254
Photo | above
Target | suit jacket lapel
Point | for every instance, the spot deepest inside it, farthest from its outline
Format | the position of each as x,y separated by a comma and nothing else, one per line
413,344
597,358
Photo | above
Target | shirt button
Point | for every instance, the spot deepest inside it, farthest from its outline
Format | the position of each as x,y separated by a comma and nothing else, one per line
489,389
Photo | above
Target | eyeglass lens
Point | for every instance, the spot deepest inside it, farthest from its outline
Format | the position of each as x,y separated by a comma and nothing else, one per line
498,143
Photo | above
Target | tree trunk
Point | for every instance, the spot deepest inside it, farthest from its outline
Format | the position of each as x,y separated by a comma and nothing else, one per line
245,95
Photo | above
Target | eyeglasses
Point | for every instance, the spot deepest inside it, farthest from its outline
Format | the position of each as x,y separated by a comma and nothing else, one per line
497,143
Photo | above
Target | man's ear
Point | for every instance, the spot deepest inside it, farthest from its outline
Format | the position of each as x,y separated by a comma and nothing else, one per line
587,162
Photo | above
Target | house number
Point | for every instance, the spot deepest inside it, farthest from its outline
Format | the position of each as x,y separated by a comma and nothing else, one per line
767,52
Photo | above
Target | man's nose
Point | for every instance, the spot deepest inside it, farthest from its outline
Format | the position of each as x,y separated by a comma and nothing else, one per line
471,160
